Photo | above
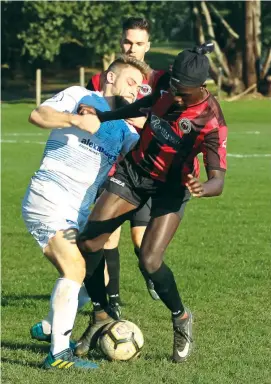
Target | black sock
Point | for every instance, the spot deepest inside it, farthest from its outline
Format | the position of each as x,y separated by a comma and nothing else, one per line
94,280
112,258
165,286
137,252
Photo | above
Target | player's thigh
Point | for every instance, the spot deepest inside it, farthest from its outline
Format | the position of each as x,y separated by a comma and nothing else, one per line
113,240
110,206
166,212
63,252
139,221
108,214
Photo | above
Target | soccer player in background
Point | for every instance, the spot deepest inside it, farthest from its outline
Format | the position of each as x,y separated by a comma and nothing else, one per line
183,121
135,42
56,205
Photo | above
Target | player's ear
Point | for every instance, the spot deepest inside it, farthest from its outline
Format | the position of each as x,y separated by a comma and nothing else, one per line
121,45
148,46
110,77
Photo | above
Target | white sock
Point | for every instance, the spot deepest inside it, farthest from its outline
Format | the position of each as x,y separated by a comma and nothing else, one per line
64,302
47,324
83,297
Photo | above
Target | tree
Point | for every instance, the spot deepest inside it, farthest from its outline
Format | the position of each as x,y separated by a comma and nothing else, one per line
11,46
235,29
95,25
92,25
81,30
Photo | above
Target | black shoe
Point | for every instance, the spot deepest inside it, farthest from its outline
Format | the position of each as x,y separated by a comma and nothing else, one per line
114,310
183,342
90,337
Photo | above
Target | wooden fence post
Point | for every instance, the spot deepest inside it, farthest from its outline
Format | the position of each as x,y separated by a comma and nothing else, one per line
38,87
82,77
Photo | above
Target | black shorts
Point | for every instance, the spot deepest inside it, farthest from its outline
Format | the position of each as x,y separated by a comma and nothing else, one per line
137,187
138,218
141,216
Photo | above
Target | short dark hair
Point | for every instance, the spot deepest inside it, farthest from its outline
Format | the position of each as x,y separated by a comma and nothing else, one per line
136,23
125,61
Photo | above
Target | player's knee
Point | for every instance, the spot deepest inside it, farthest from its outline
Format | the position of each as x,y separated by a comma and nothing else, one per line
87,246
151,262
113,240
75,270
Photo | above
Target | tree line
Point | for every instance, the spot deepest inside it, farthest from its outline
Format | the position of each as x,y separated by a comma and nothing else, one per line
87,33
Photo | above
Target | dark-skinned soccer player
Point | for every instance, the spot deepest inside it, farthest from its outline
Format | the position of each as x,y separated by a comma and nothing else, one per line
183,121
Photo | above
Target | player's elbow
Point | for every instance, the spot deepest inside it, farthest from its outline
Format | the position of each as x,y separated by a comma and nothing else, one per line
220,187
33,117
36,118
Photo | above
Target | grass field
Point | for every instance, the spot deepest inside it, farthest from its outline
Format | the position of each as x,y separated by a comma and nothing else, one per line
220,255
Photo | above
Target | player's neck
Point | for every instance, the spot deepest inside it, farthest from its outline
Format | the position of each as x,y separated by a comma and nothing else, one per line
111,100
199,99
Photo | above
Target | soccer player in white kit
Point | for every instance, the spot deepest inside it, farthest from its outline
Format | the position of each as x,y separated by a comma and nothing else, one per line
56,205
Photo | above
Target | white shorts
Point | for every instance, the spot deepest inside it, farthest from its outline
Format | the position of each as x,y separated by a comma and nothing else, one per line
45,216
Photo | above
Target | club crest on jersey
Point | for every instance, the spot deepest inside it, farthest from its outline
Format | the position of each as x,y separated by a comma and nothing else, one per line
185,125
145,90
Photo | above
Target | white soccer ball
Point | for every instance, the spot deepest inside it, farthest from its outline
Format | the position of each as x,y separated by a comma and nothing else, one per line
121,340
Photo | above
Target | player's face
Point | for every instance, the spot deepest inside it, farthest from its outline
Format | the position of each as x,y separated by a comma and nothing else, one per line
135,43
184,95
127,83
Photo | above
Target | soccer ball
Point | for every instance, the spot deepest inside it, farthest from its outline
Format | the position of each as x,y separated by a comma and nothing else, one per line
121,340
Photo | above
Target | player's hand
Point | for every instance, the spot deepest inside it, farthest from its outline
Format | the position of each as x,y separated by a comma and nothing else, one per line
194,186
89,123
138,122
85,109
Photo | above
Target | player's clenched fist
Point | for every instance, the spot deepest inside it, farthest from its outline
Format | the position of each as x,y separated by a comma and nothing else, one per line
85,109
194,186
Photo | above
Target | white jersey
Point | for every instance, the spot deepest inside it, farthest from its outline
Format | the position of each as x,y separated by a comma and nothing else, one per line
76,162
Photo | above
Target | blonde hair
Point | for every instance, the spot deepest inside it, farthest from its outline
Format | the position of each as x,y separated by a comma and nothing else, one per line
125,61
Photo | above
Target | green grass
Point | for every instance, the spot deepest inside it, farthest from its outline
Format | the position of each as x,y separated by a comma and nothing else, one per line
220,256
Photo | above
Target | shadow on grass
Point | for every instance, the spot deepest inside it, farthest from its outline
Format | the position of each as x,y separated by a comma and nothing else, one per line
10,361
14,299
33,347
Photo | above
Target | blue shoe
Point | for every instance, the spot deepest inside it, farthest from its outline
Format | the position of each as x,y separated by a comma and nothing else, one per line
66,359
37,333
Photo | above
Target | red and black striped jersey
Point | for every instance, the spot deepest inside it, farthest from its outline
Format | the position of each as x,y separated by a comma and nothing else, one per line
174,135
95,84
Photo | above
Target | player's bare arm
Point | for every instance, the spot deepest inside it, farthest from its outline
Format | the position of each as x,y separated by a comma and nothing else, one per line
47,117
212,187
